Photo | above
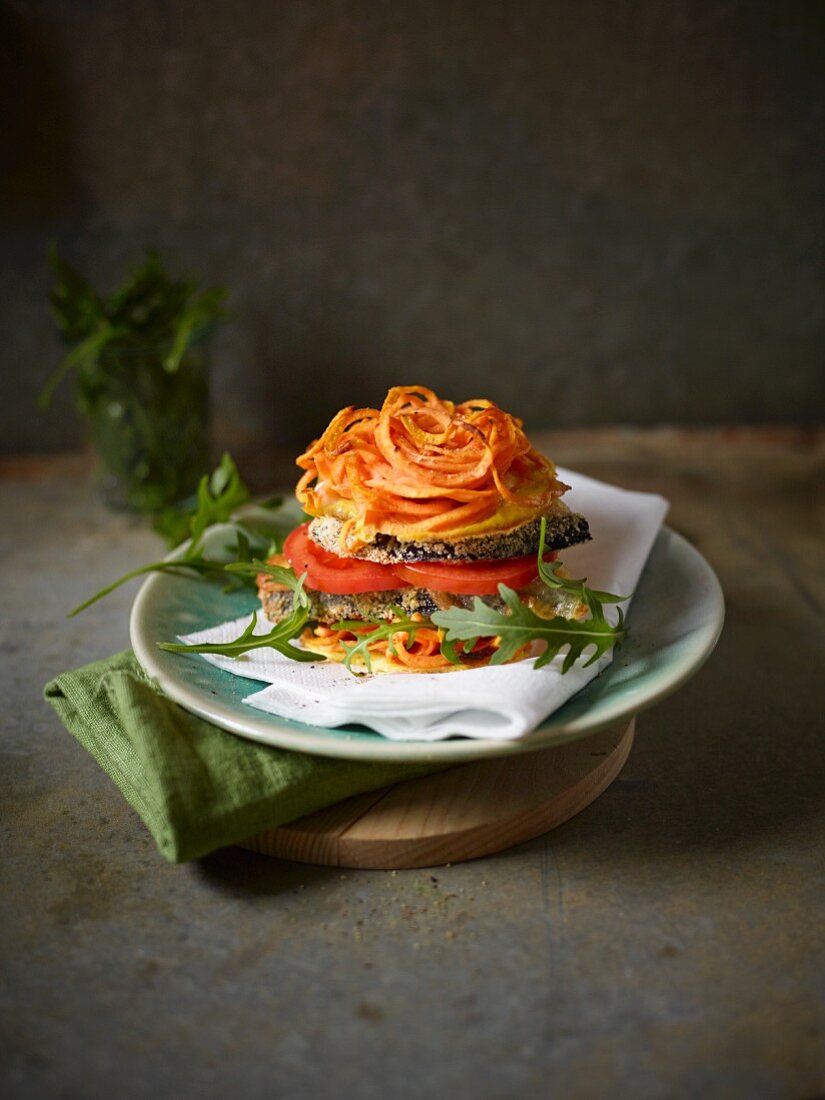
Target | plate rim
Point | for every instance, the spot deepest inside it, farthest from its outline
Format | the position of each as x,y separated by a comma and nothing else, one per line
259,726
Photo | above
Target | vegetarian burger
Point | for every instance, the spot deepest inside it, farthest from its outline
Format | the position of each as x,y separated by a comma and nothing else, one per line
419,507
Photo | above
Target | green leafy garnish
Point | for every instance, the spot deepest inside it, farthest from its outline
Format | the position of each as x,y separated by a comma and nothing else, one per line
83,354
218,497
138,358
383,630
149,309
180,568
449,650
548,572
278,638
519,625
281,573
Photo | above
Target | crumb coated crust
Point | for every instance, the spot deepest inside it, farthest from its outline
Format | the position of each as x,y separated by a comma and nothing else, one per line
331,608
564,528
328,608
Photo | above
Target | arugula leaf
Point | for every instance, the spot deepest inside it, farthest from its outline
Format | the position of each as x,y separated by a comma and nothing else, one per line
384,630
548,572
278,638
218,497
281,573
180,568
519,625
450,651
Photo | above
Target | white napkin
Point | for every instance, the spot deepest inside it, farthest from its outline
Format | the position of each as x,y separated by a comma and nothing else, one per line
501,703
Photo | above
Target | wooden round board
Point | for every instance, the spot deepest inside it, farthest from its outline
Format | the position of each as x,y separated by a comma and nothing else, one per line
465,812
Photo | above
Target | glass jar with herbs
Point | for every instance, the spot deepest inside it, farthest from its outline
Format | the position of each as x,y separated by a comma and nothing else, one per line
140,360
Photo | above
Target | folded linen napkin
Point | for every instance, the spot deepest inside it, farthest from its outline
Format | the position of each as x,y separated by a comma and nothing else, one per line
196,787
503,703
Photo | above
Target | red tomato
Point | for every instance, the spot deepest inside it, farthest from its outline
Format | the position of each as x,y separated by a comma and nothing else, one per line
327,572
472,578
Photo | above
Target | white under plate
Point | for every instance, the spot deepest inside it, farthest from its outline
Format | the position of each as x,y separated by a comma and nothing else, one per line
675,620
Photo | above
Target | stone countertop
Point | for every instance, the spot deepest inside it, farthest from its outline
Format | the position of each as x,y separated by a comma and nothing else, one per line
668,941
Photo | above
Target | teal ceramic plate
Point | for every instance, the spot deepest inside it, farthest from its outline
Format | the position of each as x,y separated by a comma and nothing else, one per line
675,620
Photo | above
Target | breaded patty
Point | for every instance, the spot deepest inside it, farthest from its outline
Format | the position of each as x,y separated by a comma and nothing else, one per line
564,528
328,608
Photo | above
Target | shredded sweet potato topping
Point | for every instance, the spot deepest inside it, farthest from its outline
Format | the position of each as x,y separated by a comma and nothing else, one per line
420,465
424,655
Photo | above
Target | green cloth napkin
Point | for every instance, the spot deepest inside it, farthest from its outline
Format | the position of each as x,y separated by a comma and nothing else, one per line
196,786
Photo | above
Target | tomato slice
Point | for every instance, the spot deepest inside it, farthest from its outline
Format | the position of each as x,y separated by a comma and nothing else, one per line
472,578
327,572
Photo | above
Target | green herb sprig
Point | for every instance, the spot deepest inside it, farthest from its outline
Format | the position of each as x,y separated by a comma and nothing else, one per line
548,572
519,625
279,638
149,308
383,630
219,495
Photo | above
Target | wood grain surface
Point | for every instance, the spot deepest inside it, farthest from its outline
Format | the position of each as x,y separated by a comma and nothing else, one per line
459,814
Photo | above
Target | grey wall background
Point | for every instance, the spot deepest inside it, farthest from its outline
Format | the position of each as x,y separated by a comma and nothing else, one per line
594,212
